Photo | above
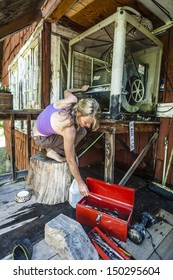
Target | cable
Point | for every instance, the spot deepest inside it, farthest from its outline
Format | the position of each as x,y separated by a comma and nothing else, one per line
153,244
165,11
91,144
166,221
165,111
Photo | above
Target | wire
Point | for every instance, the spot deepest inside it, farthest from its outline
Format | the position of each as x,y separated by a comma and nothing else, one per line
91,144
166,221
165,111
165,11
153,245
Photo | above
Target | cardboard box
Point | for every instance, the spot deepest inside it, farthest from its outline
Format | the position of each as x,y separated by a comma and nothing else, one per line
109,207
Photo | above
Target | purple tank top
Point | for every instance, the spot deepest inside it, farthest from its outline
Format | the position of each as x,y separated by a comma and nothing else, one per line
43,121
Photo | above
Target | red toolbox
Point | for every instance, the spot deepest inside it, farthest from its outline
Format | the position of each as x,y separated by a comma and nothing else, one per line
107,247
109,207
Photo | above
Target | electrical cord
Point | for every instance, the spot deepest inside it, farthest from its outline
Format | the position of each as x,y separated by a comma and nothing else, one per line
166,221
153,245
165,11
165,110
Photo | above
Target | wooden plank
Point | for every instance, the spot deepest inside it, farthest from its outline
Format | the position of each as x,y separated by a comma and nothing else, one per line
48,7
19,114
165,249
158,232
18,24
123,127
8,219
61,10
77,7
6,178
41,251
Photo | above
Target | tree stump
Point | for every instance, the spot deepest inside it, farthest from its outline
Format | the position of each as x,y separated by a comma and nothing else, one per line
49,179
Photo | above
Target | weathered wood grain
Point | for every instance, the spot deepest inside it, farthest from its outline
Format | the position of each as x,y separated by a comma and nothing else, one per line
49,179
157,233
11,211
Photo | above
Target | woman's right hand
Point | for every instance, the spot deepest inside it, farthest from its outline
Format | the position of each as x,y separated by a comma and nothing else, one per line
83,189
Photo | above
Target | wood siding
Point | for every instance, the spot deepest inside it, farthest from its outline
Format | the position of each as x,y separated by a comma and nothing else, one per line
166,124
11,47
21,154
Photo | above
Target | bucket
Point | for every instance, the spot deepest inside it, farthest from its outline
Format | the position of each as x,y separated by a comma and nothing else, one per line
74,194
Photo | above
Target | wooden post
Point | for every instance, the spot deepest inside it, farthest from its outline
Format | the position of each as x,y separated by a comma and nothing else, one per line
29,138
13,156
109,156
49,179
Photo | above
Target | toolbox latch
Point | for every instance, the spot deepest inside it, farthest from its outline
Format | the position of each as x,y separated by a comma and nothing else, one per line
98,218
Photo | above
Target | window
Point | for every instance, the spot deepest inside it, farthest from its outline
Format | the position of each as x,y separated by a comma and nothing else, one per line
24,81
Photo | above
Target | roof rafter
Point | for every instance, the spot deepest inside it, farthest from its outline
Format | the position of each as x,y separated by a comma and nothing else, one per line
19,24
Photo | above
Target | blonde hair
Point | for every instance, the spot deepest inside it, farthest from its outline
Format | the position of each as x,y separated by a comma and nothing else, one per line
86,107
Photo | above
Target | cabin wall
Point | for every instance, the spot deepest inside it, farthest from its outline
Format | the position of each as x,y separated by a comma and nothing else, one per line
11,47
166,124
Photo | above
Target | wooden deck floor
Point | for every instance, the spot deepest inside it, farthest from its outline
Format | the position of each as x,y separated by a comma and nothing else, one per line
27,220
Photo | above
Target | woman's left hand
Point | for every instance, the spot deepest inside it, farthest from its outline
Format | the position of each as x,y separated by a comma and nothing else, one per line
85,88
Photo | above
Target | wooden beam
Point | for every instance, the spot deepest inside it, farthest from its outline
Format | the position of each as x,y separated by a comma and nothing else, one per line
123,126
138,160
48,7
19,114
19,24
5,178
66,22
60,10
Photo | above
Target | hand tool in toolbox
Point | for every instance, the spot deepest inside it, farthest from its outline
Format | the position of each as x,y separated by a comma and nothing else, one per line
107,247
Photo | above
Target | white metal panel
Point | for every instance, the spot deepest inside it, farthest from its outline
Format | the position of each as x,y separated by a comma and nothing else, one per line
165,110
166,4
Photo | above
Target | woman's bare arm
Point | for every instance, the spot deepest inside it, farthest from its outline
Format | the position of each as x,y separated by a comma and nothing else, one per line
69,134
70,92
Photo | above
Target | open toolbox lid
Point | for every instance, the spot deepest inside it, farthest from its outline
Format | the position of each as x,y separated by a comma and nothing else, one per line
120,194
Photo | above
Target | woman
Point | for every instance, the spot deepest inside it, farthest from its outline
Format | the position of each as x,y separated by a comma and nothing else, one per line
61,126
